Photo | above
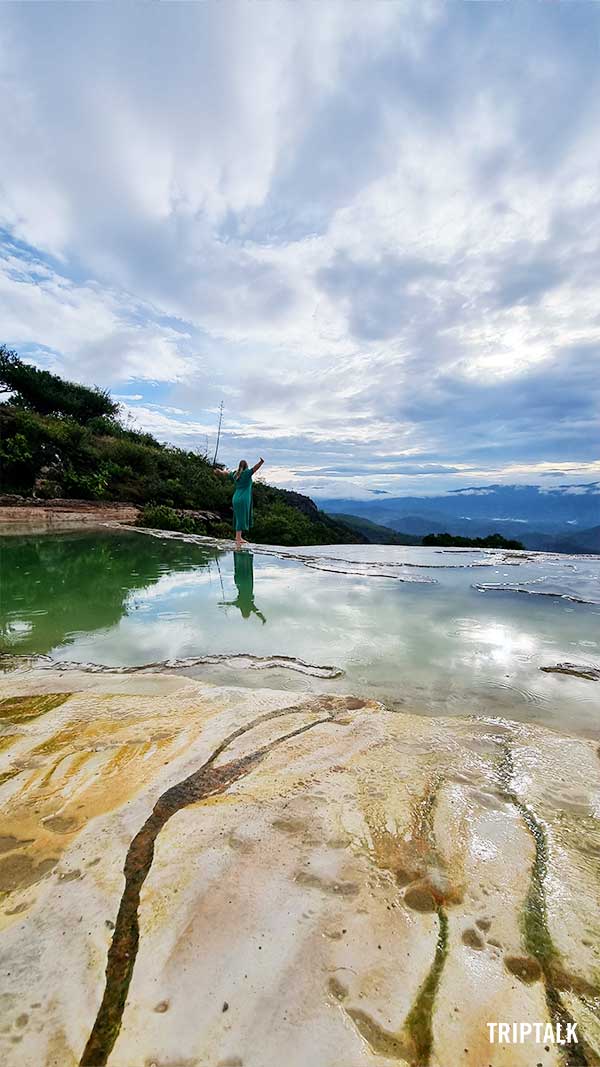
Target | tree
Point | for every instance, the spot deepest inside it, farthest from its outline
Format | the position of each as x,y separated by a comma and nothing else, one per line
46,393
446,540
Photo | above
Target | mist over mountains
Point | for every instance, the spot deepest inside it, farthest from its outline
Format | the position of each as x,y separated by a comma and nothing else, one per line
564,518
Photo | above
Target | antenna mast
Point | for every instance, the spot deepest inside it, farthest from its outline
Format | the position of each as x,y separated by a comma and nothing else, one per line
218,434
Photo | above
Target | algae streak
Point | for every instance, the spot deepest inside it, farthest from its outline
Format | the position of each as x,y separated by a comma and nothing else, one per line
534,920
208,781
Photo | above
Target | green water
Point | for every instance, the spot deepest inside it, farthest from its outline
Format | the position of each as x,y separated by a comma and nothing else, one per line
437,646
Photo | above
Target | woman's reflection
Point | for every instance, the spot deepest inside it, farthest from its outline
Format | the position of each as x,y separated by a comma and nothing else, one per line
243,576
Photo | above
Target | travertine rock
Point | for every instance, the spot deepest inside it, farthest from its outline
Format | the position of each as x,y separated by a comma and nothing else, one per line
309,879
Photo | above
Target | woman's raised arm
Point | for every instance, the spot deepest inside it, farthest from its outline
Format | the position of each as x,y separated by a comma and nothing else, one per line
257,465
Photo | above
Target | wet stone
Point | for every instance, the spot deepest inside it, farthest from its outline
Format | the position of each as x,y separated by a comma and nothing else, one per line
8,842
339,901
524,967
19,871
336,989
420,898
472,939
70,876
61,824
342,889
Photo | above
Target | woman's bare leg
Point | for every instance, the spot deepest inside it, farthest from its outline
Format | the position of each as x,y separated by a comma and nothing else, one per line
238,538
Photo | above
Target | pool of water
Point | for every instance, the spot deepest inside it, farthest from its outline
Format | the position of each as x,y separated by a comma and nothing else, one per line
438,632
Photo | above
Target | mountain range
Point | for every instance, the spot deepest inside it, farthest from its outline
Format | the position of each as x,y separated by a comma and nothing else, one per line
565,518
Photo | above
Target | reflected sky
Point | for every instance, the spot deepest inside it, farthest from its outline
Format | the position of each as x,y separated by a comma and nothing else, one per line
443,647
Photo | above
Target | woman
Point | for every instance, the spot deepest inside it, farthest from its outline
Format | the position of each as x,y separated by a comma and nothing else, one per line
242,497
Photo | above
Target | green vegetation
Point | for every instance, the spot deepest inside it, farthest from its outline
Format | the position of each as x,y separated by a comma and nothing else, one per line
446,540
48,394
374,533
160,517
61,439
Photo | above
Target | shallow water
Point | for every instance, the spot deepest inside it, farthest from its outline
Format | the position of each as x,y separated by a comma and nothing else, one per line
406,625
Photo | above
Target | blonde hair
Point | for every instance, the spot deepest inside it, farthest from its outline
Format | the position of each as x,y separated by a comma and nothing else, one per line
242,466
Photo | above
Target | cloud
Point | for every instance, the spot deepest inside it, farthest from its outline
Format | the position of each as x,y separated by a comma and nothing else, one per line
381,299
373,230
472,492
85,331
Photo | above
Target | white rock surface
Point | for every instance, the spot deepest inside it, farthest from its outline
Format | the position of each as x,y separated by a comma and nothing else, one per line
350,886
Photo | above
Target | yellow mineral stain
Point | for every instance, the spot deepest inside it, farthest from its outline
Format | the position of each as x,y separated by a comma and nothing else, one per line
392,853
22,708
64,739
81,770
409,851
218,801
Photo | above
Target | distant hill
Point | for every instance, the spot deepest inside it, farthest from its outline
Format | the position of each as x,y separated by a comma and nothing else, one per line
419,525
581,541
541,518
375,534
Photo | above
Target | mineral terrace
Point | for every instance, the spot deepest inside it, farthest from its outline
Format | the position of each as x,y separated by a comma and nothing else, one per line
202,876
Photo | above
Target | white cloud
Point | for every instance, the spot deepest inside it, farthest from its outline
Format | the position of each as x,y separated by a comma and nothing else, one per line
160,423
95,334
366,226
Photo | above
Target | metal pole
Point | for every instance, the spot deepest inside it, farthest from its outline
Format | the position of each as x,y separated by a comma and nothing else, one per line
218,434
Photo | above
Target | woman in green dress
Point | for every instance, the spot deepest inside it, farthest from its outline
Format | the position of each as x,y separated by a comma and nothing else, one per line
242,498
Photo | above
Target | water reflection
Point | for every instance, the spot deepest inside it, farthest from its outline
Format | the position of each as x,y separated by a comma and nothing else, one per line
125,599
243,576
55,587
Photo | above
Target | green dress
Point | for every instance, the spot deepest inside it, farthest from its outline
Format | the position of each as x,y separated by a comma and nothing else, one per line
243,571
242,501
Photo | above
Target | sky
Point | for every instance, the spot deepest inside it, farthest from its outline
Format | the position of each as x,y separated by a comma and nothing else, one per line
372,230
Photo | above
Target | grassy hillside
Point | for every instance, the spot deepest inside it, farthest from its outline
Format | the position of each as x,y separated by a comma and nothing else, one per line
59,439
374,533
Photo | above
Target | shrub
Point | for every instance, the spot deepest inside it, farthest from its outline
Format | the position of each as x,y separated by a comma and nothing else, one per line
103,426
447,540
90,486
160,517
